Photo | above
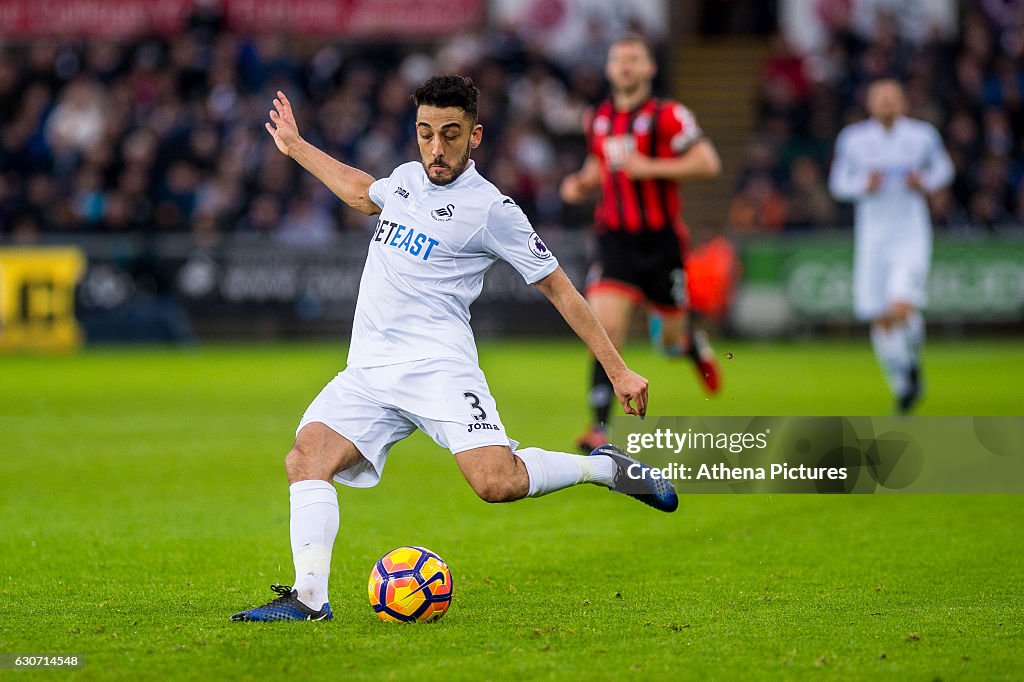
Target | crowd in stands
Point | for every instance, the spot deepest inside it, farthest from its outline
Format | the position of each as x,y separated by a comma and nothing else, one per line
166,136
970,85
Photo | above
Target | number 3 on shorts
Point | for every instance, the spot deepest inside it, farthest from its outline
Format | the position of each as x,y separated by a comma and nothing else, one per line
474,403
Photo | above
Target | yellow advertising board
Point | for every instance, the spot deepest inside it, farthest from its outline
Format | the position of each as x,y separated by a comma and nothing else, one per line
37,298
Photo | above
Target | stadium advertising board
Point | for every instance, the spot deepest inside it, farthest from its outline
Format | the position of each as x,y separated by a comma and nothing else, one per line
132,290
339,18
37,297
247,286
810,280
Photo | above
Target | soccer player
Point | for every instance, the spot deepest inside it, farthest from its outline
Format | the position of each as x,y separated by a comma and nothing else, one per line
640,148
888,165
412,362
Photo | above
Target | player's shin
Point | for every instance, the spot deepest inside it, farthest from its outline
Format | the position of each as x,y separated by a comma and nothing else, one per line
314,525
915,333
550,471
893,354
601,394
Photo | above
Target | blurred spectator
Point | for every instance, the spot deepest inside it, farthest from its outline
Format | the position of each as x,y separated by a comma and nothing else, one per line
810,206
89,198
759,208
987,211
305,224
26,230
179,188
263,217
9,201
947,213
76,123
761,159
785,87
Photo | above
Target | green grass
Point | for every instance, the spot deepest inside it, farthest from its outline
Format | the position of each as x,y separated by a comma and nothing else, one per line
142,501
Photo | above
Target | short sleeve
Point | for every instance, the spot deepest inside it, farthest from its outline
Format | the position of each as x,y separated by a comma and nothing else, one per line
939,170
681,127
846,181
379,191
509,235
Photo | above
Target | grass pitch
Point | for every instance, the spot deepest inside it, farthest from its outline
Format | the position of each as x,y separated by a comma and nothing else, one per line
142,501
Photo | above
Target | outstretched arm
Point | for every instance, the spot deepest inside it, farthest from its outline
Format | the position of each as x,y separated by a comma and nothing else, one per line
629,386
351,185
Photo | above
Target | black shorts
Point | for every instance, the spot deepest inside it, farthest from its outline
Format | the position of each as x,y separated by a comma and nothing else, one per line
646,267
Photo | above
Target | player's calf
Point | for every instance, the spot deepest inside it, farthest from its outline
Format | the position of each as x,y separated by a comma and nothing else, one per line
912,393
494,473
703,356
494,491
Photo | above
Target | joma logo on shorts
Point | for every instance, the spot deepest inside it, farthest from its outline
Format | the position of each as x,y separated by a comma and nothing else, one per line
480,426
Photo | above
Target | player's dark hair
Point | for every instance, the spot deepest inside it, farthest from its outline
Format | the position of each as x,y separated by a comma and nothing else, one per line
636,39
449,90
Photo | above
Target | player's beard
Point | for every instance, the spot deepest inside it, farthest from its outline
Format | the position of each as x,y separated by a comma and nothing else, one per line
627,88
631,93
887,120
456,170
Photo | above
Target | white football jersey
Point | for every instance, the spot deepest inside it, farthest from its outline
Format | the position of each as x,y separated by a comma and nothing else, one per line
426,264
894,211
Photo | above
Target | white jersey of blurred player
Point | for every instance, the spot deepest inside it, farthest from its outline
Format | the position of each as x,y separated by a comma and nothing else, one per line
888,165
892,227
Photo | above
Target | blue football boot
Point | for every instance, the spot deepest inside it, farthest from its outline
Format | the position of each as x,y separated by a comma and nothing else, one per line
286,607
635,479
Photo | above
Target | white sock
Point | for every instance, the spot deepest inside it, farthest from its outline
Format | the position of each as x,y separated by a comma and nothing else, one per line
550,471
893,350
915,335
314,525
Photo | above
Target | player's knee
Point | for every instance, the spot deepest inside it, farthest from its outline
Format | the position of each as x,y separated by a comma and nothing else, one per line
672,345
900,313
302,465
294,461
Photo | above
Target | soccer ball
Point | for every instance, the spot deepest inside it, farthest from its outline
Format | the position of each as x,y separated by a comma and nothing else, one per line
410,584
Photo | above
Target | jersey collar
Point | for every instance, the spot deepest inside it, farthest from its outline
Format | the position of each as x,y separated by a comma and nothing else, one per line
461,181
634,110
896,125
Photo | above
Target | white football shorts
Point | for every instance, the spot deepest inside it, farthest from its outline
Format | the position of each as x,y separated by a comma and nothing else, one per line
375,407
891,273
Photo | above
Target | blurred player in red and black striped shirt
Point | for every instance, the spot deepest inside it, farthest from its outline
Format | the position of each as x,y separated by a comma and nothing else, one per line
639,148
